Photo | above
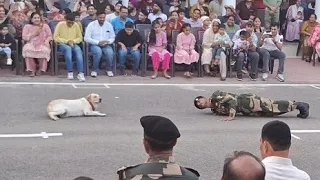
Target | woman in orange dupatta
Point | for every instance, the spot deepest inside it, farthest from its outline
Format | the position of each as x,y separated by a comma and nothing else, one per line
306,30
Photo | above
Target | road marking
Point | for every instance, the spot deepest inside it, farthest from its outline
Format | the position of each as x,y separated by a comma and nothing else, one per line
161,84
74,86
89,86
315,86
294,136
305,131
42,134
191,88
105,85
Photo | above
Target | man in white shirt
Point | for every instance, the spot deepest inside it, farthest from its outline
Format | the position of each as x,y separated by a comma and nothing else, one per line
275,143
271,47
157,12
195,21
100,36
243,165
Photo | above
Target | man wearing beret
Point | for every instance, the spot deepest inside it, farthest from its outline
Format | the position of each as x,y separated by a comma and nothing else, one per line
160,136
224,103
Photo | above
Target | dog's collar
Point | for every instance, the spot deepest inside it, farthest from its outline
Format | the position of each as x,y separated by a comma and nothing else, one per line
92,106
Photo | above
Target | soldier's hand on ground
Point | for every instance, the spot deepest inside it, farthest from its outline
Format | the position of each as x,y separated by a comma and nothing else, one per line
228,119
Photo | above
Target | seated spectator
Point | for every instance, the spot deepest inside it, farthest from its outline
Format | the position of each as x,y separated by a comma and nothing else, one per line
91,17
129,41
77,20
143,18
44,19
182,16
275,144
294,20
184,52
37,37
133,12
216,7
314,40
204,11
54,11
207,46
81,9
253,56
272,44
174,24
4,19
175,5
60,16
119,22
245,9
157,12
242,46
7,42
230,11
205,20
306,30
68,35
100,36
243,165
146,5
195,21
257,25
162,24
100,5
231,27
18,18
110,9
115,11
158,50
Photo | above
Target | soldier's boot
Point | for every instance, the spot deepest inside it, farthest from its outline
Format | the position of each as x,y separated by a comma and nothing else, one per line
304,109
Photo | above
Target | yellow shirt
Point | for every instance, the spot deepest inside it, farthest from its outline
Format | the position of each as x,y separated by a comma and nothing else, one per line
63,33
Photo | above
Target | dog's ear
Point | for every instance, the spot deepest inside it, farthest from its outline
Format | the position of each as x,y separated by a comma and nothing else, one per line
88,97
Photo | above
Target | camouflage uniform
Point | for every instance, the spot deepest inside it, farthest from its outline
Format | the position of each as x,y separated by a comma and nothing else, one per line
249,104
159,167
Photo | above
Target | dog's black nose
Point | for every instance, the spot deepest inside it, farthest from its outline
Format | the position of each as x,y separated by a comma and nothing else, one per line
100,100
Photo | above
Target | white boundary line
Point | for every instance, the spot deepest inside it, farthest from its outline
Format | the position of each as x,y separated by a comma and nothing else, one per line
161,84
314,86
305,131
42,134
74,86
294,136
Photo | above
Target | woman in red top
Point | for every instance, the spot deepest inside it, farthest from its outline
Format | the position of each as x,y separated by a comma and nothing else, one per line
173,24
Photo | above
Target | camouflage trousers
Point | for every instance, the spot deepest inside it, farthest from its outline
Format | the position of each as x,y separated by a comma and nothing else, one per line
250,104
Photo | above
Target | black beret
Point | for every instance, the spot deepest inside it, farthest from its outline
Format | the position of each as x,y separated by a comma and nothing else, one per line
159,129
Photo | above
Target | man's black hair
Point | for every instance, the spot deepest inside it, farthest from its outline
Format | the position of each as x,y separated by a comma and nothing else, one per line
278,134
275,25
229,172
155,146
196,100
129,24
196,10
243,33
123,7
99,12
70,17
3,26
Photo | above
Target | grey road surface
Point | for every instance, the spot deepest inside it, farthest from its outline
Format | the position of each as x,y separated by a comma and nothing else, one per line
98,146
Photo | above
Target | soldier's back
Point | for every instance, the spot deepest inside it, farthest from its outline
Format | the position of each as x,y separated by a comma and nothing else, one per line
157,170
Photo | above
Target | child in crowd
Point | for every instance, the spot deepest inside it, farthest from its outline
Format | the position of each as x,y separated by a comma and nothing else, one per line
175,5
182,16
299,17
163,25
6,42
61,14
158,50
185,53
241,45
223,40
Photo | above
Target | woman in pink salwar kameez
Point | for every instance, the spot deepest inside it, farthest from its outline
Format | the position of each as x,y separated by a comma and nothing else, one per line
185,53
314,39
294,19
37,36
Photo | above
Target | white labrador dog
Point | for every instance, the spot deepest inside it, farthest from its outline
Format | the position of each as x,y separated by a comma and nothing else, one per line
85,106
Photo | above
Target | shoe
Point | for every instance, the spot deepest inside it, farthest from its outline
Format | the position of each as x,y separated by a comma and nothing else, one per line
253,77
239,76
9,61
304,109
123,72
264,76
280,77
81,77
94,74
70,76
134,73
110,73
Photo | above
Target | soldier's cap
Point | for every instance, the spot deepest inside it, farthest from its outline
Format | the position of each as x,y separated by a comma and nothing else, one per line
196,100
159,129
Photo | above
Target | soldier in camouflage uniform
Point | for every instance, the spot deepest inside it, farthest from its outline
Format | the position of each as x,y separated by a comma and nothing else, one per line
160,136
224,103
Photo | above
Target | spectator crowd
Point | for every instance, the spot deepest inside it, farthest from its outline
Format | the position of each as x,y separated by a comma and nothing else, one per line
206,36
